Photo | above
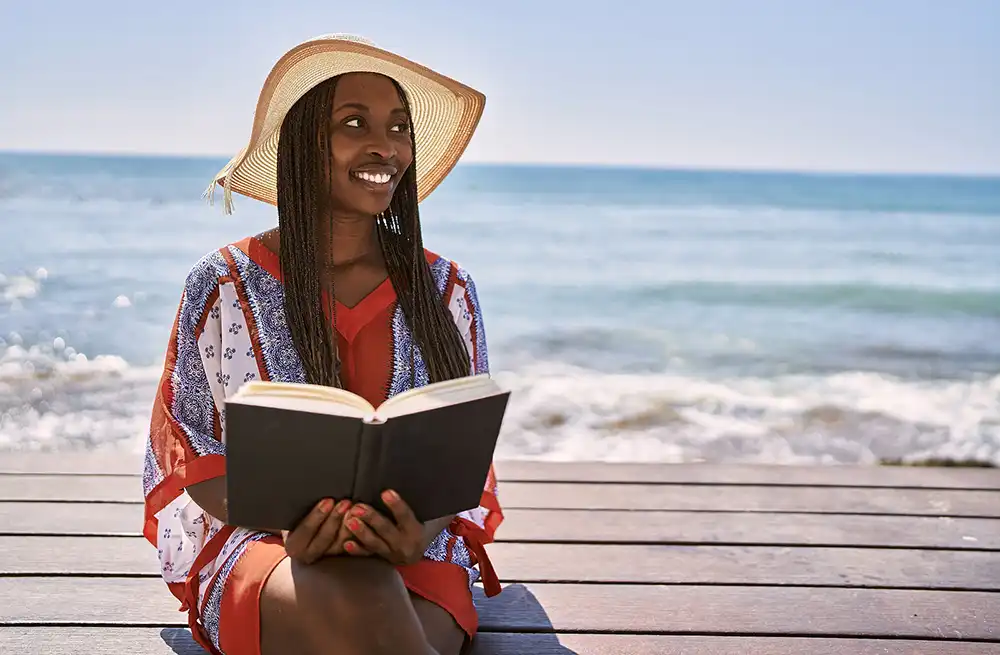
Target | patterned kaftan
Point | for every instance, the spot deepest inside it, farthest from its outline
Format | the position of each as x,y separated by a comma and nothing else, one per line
231,328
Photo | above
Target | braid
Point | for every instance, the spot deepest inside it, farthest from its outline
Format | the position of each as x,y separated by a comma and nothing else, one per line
303,174
431,322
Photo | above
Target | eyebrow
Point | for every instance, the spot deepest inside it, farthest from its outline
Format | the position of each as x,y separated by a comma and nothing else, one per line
352,105
357,106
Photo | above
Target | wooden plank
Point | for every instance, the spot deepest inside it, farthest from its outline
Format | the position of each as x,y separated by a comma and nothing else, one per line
611,496
177,641
70,518
71,488
751,474
560,526
72,462
753,499
118,463
751,565
682,527
765,611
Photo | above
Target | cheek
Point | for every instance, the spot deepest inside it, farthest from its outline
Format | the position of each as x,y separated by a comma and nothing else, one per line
405,154
343,150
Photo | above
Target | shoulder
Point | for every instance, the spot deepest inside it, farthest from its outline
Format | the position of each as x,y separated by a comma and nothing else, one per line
207,270
449,273
201,287
215,265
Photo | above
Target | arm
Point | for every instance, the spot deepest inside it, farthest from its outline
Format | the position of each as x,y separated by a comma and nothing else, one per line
210,495
183,446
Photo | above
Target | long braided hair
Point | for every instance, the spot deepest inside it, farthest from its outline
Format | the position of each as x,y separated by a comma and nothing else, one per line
303,197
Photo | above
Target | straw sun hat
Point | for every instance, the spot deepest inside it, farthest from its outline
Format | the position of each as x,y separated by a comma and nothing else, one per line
445,113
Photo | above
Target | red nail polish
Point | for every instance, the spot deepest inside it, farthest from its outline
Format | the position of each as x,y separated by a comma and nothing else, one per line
389,496
358,510
349,546
343,506
325,505
353,524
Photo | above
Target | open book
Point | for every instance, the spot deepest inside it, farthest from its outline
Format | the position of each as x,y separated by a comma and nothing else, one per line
290,445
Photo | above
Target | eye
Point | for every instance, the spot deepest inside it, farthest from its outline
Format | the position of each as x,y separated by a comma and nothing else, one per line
354,121
400,127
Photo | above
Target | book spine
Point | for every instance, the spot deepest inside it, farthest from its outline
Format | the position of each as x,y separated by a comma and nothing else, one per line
366,480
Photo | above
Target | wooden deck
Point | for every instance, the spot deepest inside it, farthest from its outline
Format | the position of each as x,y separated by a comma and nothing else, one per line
596,559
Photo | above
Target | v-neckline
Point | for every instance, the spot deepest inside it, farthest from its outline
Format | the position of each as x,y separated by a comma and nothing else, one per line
349,320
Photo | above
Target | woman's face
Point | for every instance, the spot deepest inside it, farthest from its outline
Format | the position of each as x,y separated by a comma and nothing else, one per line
370,141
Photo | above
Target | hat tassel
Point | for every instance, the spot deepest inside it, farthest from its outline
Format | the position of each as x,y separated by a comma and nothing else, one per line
227,194
227,191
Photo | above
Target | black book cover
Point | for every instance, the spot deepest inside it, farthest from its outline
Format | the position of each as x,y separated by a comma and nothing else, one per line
280,462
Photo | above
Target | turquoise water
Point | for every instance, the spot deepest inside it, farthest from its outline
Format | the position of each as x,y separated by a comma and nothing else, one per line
637,314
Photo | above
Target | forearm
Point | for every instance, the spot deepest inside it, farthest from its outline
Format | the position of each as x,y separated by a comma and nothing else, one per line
210,495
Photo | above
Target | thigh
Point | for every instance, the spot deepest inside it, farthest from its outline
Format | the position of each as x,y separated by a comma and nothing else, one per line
442,631
339,604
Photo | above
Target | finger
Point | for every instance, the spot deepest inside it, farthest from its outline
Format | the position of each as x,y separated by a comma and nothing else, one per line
343,535
382,526
351,547
405,518
367,538
298,539
327,533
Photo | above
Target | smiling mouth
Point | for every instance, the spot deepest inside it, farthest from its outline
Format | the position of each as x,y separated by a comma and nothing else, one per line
375,179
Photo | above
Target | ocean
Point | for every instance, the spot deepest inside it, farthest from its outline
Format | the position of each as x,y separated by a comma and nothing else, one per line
637,315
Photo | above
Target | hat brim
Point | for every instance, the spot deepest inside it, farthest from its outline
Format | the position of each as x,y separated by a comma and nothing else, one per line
445,113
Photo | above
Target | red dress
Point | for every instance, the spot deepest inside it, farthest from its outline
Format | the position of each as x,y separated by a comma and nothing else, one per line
231,329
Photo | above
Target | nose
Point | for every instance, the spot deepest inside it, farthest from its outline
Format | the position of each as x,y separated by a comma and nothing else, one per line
381,146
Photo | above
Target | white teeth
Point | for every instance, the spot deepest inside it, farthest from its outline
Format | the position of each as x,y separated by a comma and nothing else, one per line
374,178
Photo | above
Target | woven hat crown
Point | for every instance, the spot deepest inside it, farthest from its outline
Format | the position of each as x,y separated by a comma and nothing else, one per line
445,113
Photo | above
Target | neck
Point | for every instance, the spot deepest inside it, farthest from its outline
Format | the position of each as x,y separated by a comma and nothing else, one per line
346,239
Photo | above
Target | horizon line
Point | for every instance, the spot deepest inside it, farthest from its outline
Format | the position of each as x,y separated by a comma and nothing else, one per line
678,168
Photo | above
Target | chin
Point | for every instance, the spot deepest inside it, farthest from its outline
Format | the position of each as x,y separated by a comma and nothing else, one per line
362,201
373,207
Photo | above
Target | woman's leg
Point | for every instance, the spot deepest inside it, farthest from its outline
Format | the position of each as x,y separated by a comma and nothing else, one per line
346,605
442,632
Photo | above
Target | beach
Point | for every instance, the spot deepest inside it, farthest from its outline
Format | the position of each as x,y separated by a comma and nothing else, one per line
638,315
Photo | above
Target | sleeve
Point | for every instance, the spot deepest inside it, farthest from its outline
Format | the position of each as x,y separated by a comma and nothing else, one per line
478,526
184,443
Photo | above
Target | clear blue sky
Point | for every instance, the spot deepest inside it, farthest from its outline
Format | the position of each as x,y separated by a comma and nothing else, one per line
857,85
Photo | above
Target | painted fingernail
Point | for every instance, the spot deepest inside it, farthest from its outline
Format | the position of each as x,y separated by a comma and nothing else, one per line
358,510
353,524
325,505
390,496
343,506
349,546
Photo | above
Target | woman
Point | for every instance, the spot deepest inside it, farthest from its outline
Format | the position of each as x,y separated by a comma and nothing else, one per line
346,140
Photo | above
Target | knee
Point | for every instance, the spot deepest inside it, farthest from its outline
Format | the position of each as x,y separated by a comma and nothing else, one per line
349,589
348,605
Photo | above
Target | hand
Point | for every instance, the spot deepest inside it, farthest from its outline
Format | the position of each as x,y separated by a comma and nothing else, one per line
317,533
399,543
346,543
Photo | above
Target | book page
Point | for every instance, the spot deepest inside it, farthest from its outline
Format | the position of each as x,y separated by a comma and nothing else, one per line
440,394
303,397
